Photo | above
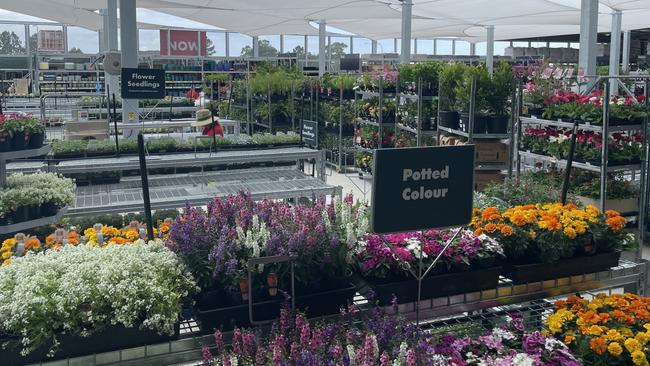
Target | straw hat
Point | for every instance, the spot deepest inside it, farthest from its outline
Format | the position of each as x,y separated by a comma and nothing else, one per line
203,118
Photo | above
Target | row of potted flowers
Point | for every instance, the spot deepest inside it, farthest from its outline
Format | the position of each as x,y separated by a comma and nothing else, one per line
568,106
331,243
378,338
98,235
624,148
20,131
32,196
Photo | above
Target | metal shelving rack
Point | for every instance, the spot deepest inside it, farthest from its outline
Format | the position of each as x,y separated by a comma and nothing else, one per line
604,168
417,98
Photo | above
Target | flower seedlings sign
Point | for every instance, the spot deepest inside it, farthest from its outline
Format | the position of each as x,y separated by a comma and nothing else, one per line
422,188
309,133
143,83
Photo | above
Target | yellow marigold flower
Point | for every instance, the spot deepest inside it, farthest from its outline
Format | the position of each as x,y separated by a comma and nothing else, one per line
613,336
626,332
568,339
615,349
642,337
7,254
594,330
570,233
638,358
632,345
6,261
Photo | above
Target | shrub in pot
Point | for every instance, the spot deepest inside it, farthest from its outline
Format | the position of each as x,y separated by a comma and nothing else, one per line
499,91
463,92
450,76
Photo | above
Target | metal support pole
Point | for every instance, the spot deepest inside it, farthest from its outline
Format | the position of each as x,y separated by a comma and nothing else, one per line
615,50
418,141
281,43
226,37
256,46
145,186
381,120
569,162
604,149
322,30
643,184
407,9
472,111
588,35
129,43
340,126
489,55
627,36
373,47
117,142
111,41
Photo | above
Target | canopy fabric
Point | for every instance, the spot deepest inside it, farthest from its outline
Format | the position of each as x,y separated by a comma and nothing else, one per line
375,19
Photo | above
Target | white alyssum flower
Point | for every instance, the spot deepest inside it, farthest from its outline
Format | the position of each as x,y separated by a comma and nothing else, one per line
86,287
351,354
503,334
522,359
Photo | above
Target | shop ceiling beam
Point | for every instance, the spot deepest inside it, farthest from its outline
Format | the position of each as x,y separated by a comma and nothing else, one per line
407,11
489,52
129,43
615,50
322,31
627,35
588,36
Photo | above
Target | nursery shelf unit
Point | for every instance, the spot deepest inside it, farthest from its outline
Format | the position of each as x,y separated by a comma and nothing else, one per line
636,171
175,191
418,98
337,159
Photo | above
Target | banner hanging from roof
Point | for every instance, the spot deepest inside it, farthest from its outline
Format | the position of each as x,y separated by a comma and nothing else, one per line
182,43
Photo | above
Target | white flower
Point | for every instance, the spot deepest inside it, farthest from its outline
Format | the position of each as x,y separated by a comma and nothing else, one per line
133,285
522,359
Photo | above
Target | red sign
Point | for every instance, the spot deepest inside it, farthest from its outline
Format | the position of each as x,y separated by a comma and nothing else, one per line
182,43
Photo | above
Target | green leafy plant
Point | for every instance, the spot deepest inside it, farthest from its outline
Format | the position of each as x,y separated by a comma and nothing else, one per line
69,147
450,76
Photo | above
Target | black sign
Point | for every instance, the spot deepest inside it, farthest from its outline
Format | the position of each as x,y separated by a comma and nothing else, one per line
143,83
422,188
309,133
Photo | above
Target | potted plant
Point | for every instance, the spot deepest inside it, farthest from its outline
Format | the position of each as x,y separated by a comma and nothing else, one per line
466,266
6,135
69,148
36,131
20,134
463,96
627,111
622,194
450,76
96,321
545,241
500,89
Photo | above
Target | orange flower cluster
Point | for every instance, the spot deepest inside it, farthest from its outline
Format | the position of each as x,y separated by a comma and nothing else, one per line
608,330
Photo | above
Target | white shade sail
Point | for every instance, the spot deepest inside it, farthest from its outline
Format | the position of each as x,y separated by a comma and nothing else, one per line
374,19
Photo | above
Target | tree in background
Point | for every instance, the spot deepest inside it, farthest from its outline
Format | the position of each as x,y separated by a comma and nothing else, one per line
337,49
10,44
265,49
75,50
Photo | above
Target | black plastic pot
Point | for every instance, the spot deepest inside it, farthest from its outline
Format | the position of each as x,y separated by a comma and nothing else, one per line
34,212
497,124
449,119
445,284
535,112
49,209
112,338
213,314
36,140
5,143
20,141
20,214
526,273
480,123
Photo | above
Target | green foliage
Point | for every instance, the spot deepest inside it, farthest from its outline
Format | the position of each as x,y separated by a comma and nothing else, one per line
343,81
450,76
218,77
278,80
69,147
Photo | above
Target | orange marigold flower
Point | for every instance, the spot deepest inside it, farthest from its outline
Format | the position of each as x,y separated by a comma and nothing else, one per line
506,230
598,345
